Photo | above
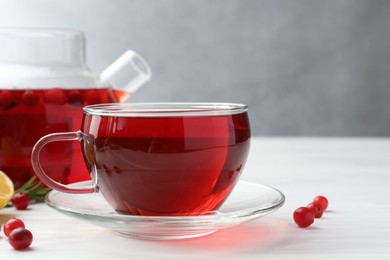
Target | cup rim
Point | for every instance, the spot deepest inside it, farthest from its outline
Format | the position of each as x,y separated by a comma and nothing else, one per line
165,109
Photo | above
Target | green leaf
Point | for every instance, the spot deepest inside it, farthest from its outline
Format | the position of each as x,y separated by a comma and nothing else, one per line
34,188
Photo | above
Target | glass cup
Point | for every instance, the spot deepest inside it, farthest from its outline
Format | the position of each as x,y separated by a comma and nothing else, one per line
158,159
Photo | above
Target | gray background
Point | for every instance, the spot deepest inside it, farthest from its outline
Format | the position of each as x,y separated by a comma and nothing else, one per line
305,67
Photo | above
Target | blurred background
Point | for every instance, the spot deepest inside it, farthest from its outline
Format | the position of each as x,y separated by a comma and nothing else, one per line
304,67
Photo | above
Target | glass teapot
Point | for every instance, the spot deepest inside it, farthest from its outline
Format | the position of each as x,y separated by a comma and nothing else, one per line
44,83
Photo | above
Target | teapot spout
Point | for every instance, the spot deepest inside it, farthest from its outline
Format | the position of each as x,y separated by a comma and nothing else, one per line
127,80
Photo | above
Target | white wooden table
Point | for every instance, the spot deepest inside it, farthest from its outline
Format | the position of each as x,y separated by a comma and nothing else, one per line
354,174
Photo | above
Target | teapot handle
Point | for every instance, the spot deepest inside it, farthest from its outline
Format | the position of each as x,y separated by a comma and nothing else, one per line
141,72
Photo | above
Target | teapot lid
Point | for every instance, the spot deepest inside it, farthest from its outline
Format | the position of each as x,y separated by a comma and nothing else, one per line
43,57
42,46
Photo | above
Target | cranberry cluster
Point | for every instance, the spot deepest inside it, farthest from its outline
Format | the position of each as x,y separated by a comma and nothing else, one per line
304,216
18,236
11,98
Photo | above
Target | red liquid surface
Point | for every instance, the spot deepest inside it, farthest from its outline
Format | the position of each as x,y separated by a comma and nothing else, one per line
27,115
168,165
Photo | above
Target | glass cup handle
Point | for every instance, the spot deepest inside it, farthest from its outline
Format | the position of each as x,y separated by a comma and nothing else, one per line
36,164
130,80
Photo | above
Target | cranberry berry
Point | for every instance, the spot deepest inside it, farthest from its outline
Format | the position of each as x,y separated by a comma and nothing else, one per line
92,97
316,209
55,96
303,217
20,238
29,98
20,200
7,99
12,224
75,98
323,201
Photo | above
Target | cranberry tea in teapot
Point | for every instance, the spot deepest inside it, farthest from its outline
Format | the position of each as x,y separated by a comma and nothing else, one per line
44,83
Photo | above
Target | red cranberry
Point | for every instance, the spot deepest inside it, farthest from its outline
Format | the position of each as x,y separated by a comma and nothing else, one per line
29,98
92,97
12,224
7,99
323,201
75,98
20,238
55,96
20,200
303,217
316,209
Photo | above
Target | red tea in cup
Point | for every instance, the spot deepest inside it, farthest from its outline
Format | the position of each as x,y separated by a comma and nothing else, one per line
160,158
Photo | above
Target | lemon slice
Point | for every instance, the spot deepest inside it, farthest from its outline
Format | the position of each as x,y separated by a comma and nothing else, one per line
6,189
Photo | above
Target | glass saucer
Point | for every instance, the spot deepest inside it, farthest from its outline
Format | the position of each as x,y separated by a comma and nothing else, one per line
246,202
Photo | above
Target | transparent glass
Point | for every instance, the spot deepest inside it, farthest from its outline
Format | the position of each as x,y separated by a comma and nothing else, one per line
165,109
158,158
44,83
248,201
47,58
